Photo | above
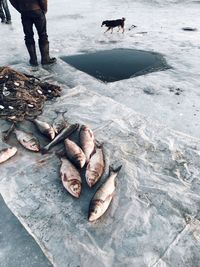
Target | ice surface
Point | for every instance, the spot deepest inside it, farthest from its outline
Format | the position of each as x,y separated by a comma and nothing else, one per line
154,217
156,207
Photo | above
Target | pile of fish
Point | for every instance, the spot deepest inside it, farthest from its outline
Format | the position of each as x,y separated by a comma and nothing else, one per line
81,151
23,96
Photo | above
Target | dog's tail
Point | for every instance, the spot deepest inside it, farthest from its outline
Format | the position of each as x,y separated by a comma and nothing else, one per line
123,19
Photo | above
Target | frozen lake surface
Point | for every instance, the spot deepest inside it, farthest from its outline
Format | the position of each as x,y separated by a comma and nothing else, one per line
75,28
149,124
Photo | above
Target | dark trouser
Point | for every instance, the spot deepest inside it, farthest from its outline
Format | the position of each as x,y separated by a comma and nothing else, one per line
2,15
4,8
38,19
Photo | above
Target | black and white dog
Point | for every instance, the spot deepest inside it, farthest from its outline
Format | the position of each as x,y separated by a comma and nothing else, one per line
114,23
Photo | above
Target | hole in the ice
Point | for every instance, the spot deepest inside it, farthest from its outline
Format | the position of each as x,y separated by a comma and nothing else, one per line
117,64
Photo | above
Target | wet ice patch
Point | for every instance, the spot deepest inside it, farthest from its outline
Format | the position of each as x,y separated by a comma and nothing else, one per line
117,64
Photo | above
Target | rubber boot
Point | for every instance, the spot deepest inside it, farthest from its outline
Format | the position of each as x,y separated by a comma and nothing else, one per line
8,22
32,52
44,50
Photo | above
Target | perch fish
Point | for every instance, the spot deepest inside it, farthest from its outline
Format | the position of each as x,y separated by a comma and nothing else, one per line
103,197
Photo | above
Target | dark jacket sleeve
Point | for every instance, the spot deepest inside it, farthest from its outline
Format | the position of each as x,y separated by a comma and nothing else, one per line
15,4
43,5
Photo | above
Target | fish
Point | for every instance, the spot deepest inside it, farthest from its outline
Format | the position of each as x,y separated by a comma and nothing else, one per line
60,137
75,153
95,167
27,140
103,196
7,153
87,141
70,177
45,128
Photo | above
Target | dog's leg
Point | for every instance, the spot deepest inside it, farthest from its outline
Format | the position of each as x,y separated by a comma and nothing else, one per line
111,30
107,29
119,28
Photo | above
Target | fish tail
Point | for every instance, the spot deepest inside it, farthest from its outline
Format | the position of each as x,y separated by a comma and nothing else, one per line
115,170
60,153
32,118
62,113
8,132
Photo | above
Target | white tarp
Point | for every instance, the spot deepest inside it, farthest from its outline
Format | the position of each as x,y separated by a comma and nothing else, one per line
154,216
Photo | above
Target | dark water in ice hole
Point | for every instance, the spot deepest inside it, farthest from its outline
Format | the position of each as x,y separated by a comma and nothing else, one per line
117,64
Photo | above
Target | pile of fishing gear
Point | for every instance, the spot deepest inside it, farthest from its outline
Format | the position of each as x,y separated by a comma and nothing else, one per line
23,96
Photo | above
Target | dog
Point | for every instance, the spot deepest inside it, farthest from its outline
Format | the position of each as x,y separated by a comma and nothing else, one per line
114,23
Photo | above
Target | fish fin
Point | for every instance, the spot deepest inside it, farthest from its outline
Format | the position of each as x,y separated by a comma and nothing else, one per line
99,200
61,175
43,150
65,179
111,169
98,144
60,153
93,152
109,197
88,166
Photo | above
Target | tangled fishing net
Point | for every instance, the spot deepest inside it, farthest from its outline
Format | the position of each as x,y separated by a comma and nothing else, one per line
22,96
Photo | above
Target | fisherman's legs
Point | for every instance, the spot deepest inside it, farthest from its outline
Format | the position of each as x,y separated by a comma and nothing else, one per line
41,26
27,23
2,15
6,10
